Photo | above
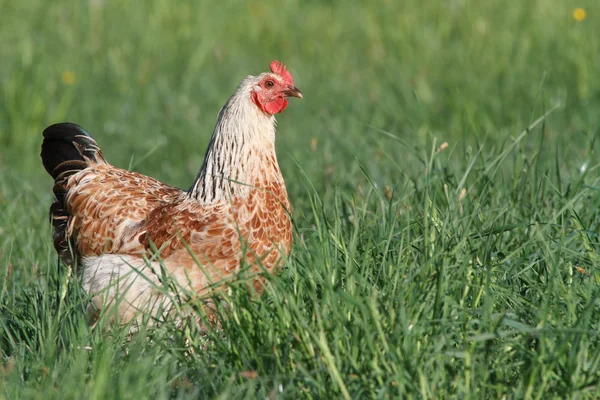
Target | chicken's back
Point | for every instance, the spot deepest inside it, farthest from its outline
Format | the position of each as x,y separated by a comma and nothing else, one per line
97,207
107,207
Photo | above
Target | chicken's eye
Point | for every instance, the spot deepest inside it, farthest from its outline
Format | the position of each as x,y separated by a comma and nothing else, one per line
269,84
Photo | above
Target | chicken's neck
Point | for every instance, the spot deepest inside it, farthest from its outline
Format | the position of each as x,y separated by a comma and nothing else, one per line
241,152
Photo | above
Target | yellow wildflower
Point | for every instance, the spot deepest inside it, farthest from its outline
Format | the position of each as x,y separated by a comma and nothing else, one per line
68,77
579,14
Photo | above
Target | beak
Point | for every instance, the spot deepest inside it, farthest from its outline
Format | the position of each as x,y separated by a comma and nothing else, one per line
293,91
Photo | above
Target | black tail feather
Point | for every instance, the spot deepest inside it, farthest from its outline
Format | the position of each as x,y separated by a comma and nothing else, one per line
68,146
66,150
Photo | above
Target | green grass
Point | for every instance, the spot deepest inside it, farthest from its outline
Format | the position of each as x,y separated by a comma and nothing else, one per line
471,272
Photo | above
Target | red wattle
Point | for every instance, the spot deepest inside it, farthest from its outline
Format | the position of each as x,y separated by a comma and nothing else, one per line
276,106
269,107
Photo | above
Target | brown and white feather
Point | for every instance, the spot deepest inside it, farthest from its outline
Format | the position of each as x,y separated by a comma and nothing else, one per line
236,212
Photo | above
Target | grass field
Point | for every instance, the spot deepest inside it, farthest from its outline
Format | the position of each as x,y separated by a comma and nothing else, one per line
443,169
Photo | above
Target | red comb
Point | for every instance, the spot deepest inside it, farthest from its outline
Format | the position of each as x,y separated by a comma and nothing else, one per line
279,69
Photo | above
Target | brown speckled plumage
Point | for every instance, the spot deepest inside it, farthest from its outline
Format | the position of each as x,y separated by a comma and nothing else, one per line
109,220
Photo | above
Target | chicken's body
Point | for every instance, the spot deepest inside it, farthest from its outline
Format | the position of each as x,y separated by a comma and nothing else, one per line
111,221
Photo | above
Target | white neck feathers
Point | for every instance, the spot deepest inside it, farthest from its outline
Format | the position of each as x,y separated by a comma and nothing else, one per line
243,140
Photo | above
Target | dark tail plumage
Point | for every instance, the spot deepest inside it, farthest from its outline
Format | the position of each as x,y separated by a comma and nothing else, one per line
68,146
67,149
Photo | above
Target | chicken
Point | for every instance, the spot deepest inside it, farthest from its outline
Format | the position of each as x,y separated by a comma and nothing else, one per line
125,231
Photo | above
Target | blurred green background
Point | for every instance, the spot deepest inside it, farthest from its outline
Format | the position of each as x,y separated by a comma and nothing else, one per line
462,272
151,76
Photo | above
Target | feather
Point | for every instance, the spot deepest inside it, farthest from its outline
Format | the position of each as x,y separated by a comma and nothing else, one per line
108,220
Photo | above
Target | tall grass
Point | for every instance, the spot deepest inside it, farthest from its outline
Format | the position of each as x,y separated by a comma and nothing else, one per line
446,213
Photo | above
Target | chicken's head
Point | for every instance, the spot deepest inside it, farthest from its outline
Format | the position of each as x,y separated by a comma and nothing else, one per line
272,89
